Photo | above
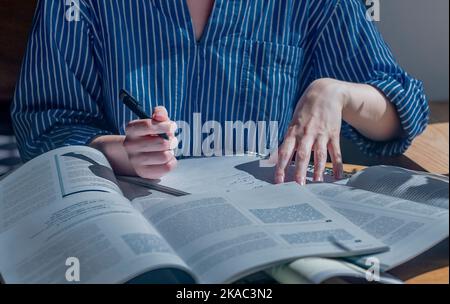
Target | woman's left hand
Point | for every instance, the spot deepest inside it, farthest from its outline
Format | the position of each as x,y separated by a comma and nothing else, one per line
315,128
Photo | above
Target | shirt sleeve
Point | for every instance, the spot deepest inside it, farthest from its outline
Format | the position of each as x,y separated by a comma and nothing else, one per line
350,48
58,94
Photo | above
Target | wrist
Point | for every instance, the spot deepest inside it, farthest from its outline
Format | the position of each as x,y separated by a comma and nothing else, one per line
112,147
339,89
342,91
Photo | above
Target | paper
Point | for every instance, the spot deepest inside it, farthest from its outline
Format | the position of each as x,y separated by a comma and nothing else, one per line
407,227
59,206
410,185
223,237
316,270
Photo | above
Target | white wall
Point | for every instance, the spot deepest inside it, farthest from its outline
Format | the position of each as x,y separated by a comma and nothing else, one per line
418,33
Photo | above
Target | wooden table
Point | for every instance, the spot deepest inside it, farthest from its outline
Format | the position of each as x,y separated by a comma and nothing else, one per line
430,153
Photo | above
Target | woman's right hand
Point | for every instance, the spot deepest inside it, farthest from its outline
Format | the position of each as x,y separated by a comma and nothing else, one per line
150,155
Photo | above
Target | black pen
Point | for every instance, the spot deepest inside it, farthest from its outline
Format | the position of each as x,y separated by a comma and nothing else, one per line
136,108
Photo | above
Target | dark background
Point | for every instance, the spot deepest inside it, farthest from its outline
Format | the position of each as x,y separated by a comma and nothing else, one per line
15,22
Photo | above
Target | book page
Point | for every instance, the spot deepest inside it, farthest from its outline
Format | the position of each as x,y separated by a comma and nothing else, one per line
407,227
208,174
111,240
67,202
226,236
410,185
314,270
51,177
84,170
219,174
200,175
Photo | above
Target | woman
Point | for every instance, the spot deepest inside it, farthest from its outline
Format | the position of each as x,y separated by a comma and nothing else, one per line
317,67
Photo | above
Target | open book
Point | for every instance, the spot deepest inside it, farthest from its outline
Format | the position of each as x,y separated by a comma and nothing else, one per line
404,209
68,205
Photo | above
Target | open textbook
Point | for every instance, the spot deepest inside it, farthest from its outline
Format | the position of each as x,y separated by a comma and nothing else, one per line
404,209
67,205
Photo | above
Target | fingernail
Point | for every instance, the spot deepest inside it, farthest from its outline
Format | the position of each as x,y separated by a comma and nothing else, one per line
158,115
279,179
303,181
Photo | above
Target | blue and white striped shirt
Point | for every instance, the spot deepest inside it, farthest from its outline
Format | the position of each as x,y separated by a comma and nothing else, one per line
253,62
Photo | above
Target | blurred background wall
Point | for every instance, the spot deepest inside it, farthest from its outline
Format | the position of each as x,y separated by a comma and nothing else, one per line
418,33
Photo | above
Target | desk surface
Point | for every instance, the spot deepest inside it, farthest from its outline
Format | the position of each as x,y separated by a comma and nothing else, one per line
429,152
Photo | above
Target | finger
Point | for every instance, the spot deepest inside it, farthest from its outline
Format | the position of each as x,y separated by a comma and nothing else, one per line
151,158
334,147
156,171
320,158
149,144
302,158
145,127
160,114
285,153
